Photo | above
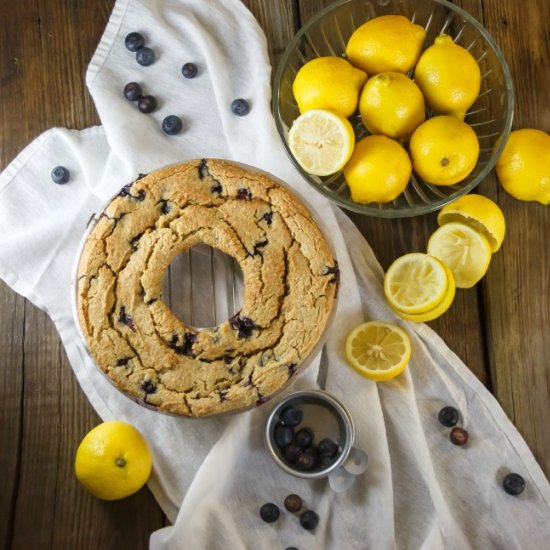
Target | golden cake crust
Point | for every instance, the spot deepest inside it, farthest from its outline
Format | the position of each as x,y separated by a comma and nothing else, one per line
290,283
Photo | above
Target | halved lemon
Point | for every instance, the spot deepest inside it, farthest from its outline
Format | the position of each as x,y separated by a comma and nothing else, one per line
439,309
415,283
377,350
321,141
466,251
478,212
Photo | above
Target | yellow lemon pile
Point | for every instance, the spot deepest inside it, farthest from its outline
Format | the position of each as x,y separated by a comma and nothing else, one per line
374,81
420,287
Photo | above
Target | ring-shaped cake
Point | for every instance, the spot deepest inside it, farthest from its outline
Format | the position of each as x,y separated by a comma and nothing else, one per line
289,274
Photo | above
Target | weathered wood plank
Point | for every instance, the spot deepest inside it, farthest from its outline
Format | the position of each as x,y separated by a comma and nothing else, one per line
460,327
45,47
12,387
517,287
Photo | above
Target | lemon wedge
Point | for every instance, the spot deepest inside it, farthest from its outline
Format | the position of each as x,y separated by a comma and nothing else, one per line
379,351
415,283
321,141
465,250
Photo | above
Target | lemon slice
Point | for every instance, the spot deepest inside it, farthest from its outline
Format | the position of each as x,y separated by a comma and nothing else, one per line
466,251
439,309
377,350
415,283
321,141
478,212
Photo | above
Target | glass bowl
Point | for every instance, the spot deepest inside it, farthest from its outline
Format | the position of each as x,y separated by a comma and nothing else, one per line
490,116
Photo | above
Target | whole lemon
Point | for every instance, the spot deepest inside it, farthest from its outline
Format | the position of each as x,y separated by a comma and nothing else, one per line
386,43
378,170
113,460
448,76
392,104
523,168
444,150
329,83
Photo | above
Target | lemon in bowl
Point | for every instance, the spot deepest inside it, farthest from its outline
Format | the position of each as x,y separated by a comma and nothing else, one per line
391,104
386,43
328,83
328,34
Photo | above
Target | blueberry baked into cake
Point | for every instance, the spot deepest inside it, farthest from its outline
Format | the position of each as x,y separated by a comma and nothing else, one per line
289,274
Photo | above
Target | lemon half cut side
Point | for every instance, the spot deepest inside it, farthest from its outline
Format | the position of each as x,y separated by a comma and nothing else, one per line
321,141
377,350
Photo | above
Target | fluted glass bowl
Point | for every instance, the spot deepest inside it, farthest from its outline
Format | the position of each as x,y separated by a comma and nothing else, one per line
490,116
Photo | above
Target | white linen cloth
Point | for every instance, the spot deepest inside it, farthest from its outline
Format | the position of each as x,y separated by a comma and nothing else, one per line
212,475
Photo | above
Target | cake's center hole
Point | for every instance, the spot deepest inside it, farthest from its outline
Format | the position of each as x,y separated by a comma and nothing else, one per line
203,286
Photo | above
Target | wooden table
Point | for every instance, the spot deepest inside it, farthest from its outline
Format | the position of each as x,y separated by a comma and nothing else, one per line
500,329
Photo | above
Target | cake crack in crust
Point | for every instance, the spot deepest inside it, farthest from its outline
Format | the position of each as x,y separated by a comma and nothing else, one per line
290,283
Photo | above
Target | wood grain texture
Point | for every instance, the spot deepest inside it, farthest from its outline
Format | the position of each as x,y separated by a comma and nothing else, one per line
45,47
516,290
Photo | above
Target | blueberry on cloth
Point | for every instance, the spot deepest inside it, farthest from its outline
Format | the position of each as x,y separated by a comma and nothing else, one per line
309,520
172,125
291,416
145,56
448,416
328,447
270,512
189,70
147,103
132,91
283,435
293,503
291,548
304,437
60,175
459,436
513,484
240,107
134,41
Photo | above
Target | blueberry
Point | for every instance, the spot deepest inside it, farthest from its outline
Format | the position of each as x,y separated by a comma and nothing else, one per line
283,435
306,461
458,436
304,437
513,484
448,416
134,41
291,417
60,175
292,452
240,107
189,70
293,503
172,125
309,520
270,512
145,56
291,548
328,447
132,91
147,103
